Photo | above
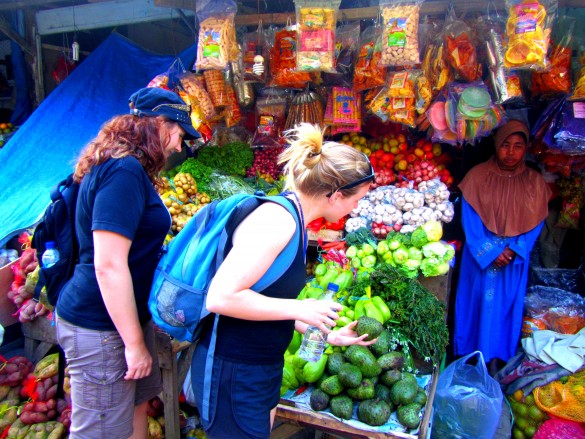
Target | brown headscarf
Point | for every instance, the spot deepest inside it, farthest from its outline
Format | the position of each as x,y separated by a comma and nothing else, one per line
509,203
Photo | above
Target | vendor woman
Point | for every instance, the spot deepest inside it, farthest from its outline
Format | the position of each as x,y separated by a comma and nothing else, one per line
503,209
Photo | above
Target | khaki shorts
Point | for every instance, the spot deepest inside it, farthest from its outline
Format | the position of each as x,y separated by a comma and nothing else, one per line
102,400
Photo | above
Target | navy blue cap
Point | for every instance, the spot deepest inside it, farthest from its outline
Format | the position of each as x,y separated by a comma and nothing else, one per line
154,101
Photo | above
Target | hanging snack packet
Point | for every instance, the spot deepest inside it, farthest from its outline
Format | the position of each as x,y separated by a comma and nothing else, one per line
216,33
256,53
346,48
367,72
435,65
460,49
215,85
192,86
557,79
306,107
401,89
271,117
198,119
400,32
316,22
579,91
505,84
283,71
528,30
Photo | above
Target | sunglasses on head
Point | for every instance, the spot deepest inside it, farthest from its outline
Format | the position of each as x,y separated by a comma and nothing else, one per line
355,183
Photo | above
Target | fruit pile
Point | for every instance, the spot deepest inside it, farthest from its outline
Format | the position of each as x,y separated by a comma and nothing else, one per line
527,415
394,160
6,131
181,198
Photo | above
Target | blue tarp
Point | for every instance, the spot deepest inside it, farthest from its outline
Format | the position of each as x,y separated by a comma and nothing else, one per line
44,149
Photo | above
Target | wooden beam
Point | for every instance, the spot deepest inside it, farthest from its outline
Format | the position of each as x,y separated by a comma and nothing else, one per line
438,7
14,36
101,15
67,50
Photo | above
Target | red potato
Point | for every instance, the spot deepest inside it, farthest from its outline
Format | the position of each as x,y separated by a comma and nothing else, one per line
41,407
30,418
51,392
52,404
52,414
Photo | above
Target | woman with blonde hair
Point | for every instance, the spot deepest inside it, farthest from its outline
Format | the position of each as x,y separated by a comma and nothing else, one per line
324,179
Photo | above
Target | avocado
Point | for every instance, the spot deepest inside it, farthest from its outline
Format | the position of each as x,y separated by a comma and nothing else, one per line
382,392
389,377
403,392
317,383
370,326
350,375
382,345
408,415
334,362
374,412
362,392
421,397
391,360
332,386
319,400
341,406
361,357
409,376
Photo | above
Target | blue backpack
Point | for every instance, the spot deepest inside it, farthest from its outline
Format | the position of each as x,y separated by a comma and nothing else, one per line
188,264
186,269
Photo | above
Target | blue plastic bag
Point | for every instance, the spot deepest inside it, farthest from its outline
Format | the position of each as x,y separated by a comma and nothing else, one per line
468,401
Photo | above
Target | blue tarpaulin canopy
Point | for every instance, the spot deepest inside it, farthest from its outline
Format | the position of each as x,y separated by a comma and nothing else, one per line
44,149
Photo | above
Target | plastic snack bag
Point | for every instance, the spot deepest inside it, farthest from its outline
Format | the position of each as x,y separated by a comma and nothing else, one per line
256,54
400,22
346,50
460,49
283,71
367,72
579,91
217,37
528,30
316,22
271,117
557,79
192,86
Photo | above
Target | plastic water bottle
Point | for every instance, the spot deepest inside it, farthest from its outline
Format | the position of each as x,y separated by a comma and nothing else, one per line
51,255
313,343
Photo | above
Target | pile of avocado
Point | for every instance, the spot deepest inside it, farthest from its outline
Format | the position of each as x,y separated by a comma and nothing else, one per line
372,377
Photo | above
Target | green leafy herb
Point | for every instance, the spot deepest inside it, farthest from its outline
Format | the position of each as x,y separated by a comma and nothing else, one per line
233,158
200,172
418,314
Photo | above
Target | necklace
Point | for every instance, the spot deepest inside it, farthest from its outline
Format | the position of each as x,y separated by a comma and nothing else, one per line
300,209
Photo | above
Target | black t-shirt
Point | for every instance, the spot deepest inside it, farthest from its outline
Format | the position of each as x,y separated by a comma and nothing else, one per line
116,196
262,342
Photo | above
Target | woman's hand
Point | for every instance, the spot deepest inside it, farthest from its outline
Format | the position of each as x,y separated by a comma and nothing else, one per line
347,336
504,258
319,313
139,362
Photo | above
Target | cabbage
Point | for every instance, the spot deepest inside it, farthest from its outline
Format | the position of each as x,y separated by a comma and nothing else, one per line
435,250
415,254
419,237
433,229
433,267
400,255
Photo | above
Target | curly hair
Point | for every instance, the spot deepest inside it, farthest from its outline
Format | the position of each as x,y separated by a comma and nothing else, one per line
315,167
123,136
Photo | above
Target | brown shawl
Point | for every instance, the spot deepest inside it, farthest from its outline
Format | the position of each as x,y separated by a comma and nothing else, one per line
509,203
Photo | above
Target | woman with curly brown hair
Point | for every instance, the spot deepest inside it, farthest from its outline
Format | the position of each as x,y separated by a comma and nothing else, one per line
103,322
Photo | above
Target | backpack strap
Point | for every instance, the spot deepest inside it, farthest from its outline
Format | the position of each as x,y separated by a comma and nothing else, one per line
281,264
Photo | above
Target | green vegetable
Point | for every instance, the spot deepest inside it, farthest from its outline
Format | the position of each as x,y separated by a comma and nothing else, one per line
233,158
417,315
369,261
200,172
419,237
360,236
415,253
400,255
433,229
